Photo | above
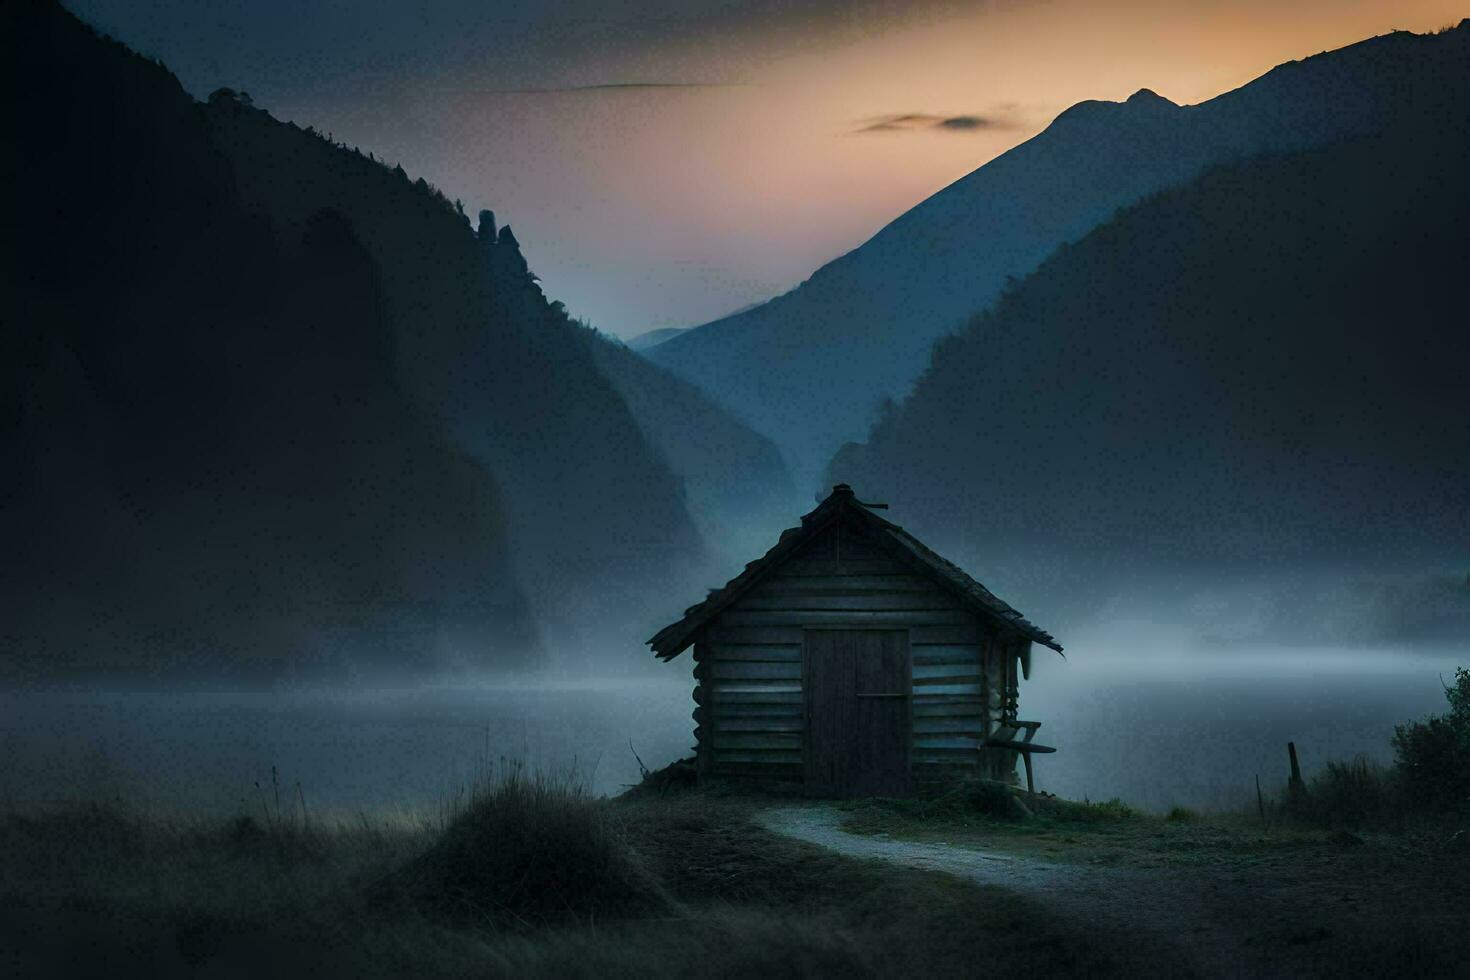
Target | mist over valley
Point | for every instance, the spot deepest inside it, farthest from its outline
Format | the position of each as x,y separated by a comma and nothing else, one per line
1037,526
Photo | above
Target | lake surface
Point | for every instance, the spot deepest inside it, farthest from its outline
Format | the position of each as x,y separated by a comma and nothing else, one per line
1154,727
1156,730
350,750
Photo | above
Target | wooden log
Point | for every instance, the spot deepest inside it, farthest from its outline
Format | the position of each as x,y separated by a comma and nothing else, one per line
724,740
959,653
776,772
768,723
944,757
739,696
929,703
875,601
848,585
805,567
947,685
756,709
754,670
968,724
790,634
946,741
763,756
770,652
947,673
846,620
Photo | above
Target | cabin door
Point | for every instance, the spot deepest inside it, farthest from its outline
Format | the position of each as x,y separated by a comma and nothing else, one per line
857,685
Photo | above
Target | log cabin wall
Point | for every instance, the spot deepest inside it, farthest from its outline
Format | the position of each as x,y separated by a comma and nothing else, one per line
751,710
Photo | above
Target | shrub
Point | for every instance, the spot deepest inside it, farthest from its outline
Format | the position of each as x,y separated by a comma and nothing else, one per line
529,850
1181,814
1432,757
1349,794
984,798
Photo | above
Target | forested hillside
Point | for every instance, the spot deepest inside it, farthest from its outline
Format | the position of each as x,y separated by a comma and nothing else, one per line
211,461
810,367
275,404
1266,367
737,488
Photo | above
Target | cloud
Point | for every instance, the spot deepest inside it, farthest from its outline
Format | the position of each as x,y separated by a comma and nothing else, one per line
614,87
907,122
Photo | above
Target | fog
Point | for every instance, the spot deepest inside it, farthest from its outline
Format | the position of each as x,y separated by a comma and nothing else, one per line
1157,725
1135,712
403,749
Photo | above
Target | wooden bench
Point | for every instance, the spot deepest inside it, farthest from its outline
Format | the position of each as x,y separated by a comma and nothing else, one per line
1024,745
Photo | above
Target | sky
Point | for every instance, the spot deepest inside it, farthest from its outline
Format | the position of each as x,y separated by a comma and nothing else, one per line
667,162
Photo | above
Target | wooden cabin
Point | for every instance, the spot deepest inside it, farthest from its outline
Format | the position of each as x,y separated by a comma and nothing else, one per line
855,661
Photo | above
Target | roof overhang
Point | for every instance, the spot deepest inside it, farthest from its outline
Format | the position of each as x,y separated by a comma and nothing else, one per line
842,504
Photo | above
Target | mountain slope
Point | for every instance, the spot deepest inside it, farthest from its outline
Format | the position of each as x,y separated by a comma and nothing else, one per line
212,464
809,368
597,520
1265,369
652,338
737,489
312,383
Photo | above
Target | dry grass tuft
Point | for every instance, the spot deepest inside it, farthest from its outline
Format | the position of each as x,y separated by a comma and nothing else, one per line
529,850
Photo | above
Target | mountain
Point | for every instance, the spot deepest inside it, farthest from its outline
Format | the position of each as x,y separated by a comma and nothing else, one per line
810,368
1263,370
212,464
597,520
652,338
736,487
276,402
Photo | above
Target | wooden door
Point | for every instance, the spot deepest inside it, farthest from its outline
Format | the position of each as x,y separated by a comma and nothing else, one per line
857,712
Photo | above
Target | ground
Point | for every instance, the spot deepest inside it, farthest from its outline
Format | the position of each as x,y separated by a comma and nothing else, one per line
95,890
1226,895
726,885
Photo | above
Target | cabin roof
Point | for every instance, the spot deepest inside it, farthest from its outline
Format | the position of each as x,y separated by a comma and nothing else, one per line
673,639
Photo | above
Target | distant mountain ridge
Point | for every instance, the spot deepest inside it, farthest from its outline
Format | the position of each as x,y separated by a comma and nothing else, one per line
1259,373
809,368
736,486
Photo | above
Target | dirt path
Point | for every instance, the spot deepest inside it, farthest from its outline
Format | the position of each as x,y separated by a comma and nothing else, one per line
1212,925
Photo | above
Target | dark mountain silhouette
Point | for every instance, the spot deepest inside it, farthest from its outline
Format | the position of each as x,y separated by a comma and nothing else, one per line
271,400
810,367
736,486
1265,369
210,460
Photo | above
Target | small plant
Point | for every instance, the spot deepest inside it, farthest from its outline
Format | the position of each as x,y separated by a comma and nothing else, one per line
1359,793
1182,814
1087,811
1432,757
525,849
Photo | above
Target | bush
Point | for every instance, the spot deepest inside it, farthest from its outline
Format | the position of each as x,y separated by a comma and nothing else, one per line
1181,814
529,850
1432,757
1359,793
984,798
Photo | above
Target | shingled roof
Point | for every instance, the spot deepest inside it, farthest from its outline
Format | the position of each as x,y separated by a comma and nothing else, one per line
673,639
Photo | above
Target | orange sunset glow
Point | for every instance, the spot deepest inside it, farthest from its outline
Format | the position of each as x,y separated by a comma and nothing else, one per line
644,207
